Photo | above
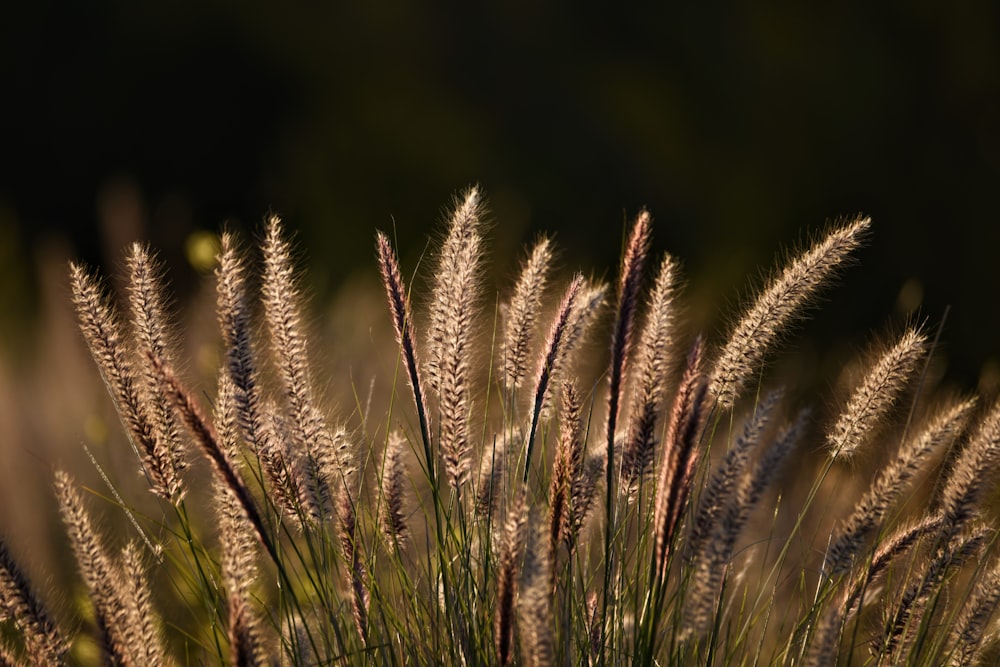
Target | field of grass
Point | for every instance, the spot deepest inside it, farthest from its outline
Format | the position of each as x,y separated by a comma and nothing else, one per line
566,475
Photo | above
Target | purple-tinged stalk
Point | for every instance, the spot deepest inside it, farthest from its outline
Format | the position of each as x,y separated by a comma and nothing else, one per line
680,455
402,323
777,306
553,351
629,283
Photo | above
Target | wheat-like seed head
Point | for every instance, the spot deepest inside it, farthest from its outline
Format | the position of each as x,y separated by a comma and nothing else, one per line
874,397
142,628
723,483
534,604
585,312
552,352
522,313
455,285
239,552
100,574
713,555
357,578
680,454
235,323
629,284
507,578
282,299
208,441
969,631
493,468
306,425
777,306
269,427
891,482
454,308
392,516
564,466
43,641
899,632
968,478
102,330
653,358
151,335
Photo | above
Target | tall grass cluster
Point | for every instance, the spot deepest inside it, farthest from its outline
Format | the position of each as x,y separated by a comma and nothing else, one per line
565,476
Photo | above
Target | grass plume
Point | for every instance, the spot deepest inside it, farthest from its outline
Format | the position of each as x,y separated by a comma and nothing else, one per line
732,532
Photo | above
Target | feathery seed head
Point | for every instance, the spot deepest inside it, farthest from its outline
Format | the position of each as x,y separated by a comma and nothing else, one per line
534,605
392,518
507,577
553,354
892,481
455,289
241,358
629,283
151,333
970,474
101,327
722,484
968,633
874,397
99,573
43,642
402,322
680,454
525,304
777,306
453,311
351,551
655,346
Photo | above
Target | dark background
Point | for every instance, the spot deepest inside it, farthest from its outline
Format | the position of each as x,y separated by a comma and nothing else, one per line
739,124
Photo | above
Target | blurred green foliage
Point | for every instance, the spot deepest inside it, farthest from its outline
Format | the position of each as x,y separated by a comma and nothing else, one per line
736,123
